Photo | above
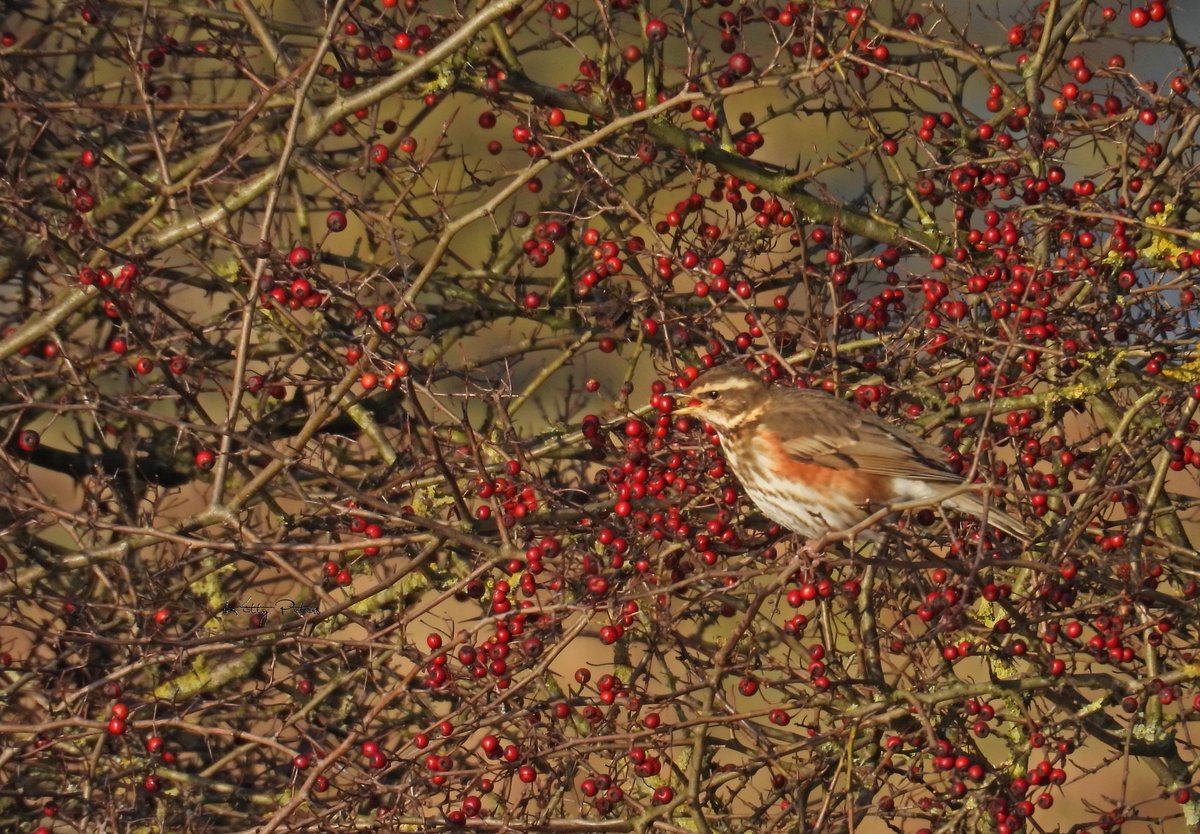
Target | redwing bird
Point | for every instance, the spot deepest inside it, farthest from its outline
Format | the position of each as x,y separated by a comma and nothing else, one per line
816,464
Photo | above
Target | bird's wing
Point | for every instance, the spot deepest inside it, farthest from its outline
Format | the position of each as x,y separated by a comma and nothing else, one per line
821,429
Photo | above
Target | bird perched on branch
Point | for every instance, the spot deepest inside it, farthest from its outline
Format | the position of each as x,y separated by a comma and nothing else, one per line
816,464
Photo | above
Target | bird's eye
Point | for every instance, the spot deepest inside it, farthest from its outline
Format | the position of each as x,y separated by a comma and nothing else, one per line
713,395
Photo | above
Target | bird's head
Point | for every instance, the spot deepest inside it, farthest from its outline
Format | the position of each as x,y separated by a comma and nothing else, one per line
725,397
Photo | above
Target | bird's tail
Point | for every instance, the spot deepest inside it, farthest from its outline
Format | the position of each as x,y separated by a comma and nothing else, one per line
969,503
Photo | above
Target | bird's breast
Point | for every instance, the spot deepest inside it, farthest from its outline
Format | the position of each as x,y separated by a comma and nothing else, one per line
804,497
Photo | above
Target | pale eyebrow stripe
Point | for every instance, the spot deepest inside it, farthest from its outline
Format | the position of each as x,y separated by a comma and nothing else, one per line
728,385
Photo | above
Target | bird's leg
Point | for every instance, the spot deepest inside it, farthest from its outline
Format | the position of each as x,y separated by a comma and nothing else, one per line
949,524
811,548
882,545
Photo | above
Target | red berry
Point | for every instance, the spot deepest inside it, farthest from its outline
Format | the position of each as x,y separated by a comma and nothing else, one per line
300,257
741,63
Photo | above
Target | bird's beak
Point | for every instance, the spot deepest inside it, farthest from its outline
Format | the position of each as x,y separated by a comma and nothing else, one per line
690,408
